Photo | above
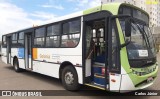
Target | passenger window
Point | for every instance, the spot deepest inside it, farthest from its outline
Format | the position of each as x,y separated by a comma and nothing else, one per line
21,39
40,32
71,27
4,41
53,36
21,36
14,37
14,40
70,40
71,33
53,30
52,41
39,37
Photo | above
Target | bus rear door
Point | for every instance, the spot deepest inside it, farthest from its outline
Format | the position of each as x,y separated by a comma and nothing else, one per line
28,50
8,51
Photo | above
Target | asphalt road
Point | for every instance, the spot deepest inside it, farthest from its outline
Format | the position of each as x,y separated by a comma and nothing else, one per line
10,80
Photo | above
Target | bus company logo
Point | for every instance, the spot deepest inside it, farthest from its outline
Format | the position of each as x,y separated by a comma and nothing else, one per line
45,56
150,2
6,93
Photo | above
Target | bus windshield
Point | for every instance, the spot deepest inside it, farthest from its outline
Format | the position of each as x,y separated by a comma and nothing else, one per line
141,44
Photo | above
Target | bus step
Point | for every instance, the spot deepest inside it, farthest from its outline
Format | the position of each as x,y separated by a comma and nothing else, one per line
93,84
99,79
96,64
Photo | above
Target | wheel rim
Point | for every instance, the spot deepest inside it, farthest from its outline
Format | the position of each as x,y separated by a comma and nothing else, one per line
69,78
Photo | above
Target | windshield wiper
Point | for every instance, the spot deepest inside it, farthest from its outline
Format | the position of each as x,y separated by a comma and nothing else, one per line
144,35
147,38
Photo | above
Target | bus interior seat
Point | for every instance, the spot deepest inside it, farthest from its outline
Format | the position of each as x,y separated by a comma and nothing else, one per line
70,43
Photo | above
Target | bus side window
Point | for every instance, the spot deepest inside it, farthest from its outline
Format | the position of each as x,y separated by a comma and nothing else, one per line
14,40
53,36
71,33
21,39
39,37
4,42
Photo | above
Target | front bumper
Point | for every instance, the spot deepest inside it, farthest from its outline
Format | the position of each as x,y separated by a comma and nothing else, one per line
131,82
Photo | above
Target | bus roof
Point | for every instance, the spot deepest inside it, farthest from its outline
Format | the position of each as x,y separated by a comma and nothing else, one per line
111,7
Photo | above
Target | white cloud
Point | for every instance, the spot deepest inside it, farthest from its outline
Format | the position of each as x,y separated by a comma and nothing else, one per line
52,4
84,4
94,3
43,15
14,18
59,7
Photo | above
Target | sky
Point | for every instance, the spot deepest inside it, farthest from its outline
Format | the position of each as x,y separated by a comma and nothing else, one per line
19,14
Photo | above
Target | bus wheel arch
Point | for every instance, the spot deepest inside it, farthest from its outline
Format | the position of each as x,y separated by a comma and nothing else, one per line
67,70
14,59
62,66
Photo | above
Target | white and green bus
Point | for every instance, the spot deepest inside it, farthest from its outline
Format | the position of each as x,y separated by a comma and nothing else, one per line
109,47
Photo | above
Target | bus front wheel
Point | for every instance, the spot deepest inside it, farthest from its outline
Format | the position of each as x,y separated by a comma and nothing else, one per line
70,78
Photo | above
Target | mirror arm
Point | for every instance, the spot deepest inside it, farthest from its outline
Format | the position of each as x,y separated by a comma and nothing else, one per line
124,44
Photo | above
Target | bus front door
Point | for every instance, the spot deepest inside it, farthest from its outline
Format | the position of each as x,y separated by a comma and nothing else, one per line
9,50
28,51
95,53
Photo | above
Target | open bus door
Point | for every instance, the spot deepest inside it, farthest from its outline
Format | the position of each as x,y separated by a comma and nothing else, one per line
101,51
8,51
95,50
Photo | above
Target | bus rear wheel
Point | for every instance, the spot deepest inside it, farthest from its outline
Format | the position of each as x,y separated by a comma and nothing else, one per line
70,78
16,65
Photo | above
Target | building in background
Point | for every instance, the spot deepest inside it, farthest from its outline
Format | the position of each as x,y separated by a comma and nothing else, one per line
153,8
150,6
156,34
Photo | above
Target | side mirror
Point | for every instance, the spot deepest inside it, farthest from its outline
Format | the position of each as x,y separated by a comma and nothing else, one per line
128,27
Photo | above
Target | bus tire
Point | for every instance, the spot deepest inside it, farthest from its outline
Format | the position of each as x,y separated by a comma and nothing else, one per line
70,79
16,65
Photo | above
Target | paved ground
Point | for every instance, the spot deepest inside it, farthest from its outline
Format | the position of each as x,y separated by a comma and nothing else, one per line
10,80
